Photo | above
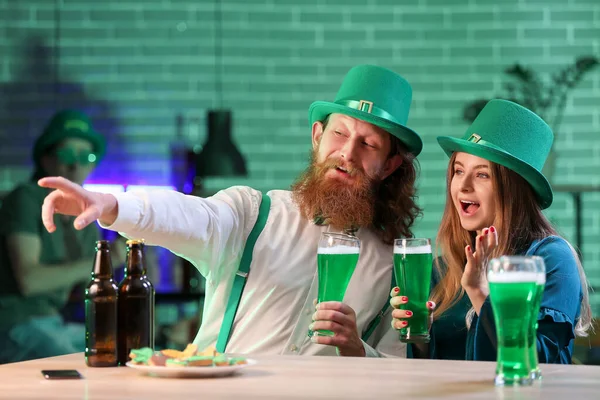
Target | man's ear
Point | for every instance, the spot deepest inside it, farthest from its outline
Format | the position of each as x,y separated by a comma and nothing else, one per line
391,165
317,133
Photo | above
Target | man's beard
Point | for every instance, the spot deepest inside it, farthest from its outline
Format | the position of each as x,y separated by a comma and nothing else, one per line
343,204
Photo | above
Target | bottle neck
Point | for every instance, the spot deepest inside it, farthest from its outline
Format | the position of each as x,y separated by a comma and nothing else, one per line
135,263
102,265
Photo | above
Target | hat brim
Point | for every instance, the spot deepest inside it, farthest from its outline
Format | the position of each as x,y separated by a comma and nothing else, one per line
319,110
538,182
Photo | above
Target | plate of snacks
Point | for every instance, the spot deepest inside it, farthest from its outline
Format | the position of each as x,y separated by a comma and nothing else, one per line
189,363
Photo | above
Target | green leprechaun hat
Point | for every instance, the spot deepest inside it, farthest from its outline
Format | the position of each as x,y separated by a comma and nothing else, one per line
510,135
68,124
376,95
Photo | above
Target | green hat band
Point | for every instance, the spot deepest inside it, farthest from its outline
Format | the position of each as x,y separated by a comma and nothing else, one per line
368,107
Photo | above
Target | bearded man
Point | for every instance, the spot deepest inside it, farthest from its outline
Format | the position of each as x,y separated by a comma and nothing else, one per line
259,253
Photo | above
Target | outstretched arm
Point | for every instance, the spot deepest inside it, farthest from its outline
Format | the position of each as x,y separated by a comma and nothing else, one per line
207,232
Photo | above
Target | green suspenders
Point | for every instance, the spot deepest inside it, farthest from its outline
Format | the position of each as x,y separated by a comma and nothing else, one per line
375,322
242,274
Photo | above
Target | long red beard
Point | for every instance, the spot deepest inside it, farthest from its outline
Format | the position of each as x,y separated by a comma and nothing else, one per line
342,204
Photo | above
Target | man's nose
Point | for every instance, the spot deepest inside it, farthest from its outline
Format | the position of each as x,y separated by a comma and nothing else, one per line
348,151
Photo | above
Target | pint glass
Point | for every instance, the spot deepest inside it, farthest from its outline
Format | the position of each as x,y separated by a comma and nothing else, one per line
513,285
412,268
336,260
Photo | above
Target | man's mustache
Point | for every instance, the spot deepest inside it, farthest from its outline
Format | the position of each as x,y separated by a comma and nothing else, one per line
335,163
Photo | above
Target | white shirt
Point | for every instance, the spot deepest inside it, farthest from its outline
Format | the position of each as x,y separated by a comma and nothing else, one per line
277,304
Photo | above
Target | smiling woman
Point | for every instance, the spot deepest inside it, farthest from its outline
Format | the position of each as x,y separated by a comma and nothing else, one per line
494,200
471,189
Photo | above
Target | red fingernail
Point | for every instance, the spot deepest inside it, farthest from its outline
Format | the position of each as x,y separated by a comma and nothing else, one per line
492,229
485,231
404,298
396,290
469,248
404,323
481,238
408,313
429,304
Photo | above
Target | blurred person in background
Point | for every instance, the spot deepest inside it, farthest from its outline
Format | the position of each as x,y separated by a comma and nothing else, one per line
38,271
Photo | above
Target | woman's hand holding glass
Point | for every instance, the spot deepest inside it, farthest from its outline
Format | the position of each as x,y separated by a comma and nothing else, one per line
401,317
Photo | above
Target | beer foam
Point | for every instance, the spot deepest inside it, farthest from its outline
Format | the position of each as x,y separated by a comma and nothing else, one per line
413,250
339,250
514,277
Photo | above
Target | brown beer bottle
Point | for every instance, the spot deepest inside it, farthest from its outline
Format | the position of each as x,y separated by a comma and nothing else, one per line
136,304
101,311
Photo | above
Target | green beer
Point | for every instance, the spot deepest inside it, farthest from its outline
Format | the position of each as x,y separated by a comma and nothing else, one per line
512,295
412,268
336,260
532,333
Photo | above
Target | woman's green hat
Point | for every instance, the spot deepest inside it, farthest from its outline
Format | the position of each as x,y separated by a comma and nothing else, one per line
510,135
375,95
68,124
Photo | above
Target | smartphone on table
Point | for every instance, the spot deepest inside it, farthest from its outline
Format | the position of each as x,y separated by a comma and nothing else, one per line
61,374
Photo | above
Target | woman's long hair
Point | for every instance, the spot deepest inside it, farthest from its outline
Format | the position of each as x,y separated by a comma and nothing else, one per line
519,223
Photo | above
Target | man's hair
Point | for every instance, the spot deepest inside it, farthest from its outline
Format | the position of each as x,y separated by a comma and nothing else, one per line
395,199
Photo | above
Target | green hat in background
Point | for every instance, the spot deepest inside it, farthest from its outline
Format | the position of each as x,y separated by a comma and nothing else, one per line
510,135
375,95
68,124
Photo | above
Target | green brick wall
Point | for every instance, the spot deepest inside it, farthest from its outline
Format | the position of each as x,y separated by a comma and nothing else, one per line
137,64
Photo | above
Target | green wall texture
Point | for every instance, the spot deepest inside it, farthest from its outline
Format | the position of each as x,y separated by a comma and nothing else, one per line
135,65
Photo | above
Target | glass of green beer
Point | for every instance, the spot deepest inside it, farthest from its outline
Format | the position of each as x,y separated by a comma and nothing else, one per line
336,260
513,284
412,268
540,266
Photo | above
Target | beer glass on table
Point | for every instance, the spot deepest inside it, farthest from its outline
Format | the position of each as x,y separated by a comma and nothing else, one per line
337,257
513,282
412,268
